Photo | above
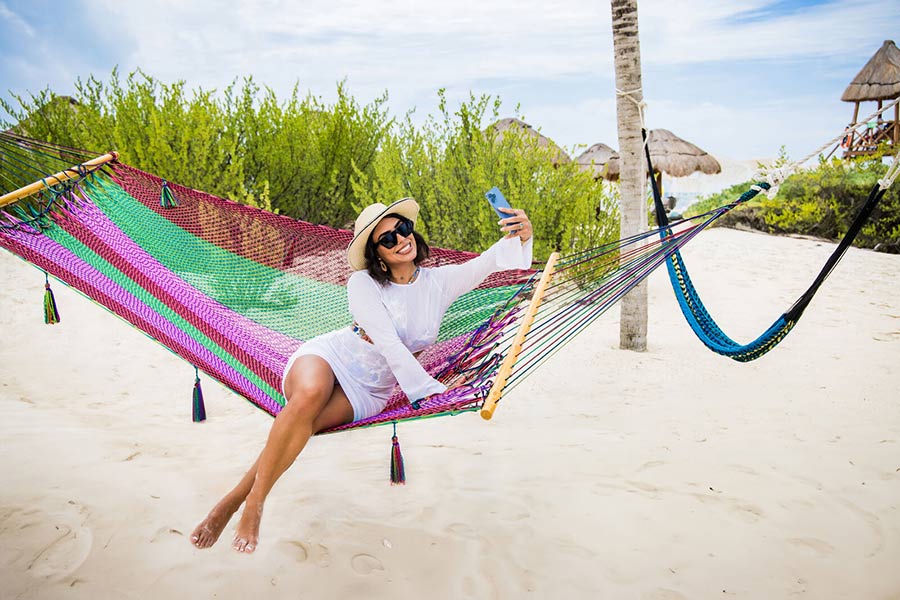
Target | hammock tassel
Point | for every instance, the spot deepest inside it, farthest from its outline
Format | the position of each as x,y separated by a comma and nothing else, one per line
167,198
199,407
398,473
51,313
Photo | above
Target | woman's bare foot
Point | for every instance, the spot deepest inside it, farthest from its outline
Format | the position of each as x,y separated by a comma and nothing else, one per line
246,537
209,530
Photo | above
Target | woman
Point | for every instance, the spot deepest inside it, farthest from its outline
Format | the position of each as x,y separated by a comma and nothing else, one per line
349,374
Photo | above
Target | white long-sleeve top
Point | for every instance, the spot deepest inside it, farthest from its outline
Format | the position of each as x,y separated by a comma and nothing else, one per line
402,319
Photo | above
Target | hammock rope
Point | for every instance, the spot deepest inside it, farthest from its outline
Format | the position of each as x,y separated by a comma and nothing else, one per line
234,290
696,314
776,176
231,289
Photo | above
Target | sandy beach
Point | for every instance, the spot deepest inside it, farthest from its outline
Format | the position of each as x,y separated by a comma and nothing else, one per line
670,474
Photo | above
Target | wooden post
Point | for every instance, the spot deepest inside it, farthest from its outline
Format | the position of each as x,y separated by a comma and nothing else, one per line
852,143
33,188
896,126
490,403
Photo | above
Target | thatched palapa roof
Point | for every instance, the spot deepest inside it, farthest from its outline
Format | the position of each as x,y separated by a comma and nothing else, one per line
879,79
602,159
504,125
672,155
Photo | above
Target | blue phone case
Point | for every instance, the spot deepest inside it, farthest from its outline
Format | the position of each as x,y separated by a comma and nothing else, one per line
496,198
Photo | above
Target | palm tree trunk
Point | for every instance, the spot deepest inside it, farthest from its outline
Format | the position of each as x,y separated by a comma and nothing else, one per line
632,178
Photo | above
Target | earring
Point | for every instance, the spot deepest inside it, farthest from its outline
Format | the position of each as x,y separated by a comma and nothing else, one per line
383,266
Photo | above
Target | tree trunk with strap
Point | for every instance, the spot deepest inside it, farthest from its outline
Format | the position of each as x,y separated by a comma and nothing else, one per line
632,182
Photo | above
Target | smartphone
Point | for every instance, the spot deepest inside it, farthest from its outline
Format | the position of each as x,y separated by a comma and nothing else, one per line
496,199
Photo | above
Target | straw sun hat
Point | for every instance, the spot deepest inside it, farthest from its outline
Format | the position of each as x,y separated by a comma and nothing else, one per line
366,222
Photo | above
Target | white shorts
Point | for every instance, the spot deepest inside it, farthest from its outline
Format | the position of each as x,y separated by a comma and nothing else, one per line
360,370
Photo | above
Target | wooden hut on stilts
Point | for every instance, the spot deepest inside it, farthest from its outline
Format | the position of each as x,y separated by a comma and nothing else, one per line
878,81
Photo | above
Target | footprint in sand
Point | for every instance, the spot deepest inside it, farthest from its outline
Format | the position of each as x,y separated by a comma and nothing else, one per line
517,517
569,547
57,544
749,512
651,464
319,554
461,529
294,549
165,532
56,557
820,547
665,594
742,469
365,564
889,336
874,524
644,487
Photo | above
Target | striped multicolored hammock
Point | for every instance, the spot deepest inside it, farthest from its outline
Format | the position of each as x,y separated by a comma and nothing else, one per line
234,290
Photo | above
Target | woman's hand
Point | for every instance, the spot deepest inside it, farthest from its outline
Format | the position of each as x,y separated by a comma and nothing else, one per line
457,381
516,225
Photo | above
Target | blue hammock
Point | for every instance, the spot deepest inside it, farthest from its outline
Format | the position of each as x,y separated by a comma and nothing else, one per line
689,300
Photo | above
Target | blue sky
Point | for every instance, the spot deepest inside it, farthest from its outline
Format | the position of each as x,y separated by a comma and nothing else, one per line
739,77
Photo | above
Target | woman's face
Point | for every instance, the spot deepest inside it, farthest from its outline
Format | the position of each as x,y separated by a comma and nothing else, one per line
403,252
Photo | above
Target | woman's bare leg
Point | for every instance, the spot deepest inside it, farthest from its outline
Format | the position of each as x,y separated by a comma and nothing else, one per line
314,403
208,531
309,389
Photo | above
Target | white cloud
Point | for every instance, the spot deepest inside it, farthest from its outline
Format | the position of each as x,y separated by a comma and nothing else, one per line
685,31
375,44
16,22
444,43
756,130
553,56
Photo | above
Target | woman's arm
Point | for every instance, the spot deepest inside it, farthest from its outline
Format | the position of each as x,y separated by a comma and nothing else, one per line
513,251
370,313
507,253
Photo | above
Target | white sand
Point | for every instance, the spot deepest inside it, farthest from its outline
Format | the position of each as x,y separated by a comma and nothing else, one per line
673,473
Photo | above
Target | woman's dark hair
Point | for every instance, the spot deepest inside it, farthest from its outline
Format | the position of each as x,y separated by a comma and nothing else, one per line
373,263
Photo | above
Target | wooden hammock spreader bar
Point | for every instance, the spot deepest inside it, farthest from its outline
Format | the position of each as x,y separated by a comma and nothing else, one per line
490,404
71,173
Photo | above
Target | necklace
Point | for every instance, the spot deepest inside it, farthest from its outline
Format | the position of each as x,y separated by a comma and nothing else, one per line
411,279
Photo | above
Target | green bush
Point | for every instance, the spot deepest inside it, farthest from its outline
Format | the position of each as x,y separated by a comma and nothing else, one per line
323,162
820,202
296,158
452,160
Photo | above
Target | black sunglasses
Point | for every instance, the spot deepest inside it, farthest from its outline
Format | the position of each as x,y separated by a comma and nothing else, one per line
388,239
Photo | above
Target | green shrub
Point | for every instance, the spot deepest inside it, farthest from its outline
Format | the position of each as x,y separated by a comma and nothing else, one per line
295,157
323,162
452,160
820,202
